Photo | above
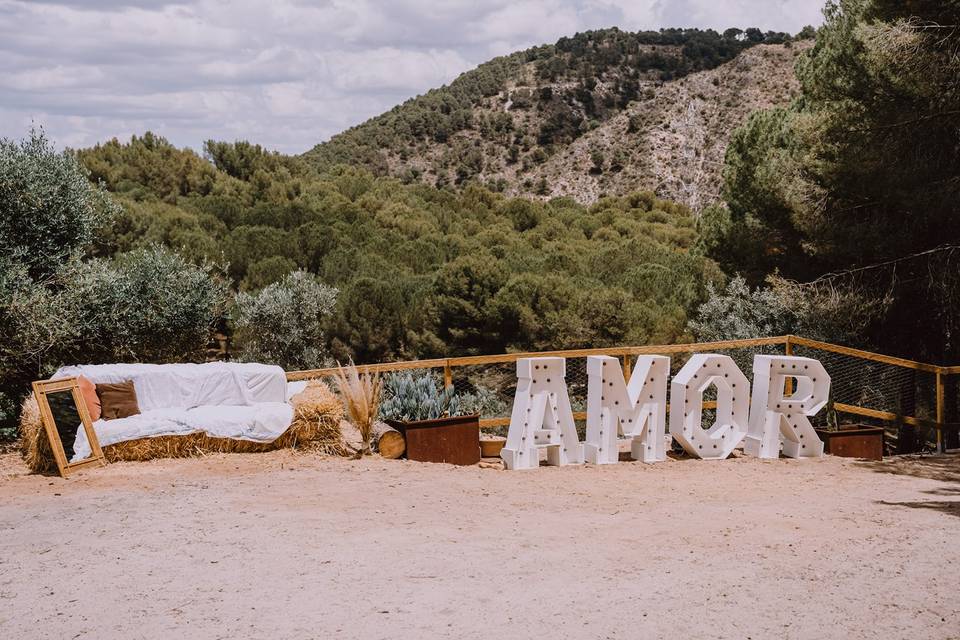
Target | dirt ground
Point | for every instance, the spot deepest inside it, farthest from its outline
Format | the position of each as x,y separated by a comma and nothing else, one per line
287,545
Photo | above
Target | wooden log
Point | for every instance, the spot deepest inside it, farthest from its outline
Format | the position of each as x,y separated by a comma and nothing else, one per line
390,442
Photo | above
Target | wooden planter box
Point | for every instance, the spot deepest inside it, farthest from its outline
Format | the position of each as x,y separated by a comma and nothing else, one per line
853,441
453,440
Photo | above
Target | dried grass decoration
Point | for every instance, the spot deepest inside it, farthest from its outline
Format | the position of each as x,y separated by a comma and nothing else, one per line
361,400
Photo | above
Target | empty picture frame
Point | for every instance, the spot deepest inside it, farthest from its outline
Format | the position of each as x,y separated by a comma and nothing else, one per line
63,412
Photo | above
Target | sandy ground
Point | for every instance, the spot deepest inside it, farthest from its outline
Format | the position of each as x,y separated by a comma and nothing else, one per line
285,545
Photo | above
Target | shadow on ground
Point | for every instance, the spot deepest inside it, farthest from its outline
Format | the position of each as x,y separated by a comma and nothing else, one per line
943,467
948,507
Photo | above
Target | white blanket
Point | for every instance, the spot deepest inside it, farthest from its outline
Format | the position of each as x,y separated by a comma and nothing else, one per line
245,401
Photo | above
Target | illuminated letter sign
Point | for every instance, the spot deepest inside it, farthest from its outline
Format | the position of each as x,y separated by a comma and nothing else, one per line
635,410
542,417
686,406
776,418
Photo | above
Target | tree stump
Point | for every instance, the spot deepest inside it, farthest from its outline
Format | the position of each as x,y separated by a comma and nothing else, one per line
390,442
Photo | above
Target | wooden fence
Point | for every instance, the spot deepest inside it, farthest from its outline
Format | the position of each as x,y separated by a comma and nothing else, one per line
864,384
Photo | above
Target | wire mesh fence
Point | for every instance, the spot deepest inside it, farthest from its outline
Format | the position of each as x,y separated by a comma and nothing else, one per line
878,386
868,386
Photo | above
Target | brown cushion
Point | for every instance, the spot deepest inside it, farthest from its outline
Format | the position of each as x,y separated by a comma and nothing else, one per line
118,399
89,392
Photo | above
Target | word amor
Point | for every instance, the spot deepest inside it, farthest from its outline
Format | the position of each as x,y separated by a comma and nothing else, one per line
636,410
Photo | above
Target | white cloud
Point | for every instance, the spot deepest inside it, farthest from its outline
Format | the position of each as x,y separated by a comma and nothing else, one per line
286,73
53,78
771,15
389,69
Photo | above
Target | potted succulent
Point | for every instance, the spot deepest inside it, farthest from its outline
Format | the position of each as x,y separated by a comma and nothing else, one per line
435,422
850,440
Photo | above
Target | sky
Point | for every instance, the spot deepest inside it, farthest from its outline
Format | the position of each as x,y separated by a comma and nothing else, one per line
287,74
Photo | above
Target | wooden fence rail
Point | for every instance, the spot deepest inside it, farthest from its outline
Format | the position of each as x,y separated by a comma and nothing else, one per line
789,343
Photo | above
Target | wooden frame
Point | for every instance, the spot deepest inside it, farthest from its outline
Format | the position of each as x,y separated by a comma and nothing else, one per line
40,390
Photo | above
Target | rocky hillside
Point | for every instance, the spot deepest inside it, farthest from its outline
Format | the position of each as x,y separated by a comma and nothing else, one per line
602,112
671,141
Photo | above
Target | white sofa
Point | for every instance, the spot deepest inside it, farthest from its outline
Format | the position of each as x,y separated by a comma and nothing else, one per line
245,401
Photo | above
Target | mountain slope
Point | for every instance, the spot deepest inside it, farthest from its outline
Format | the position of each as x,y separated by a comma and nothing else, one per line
511,122
672,142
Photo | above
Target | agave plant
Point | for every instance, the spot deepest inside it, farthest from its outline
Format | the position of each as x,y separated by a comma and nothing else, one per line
410,397
361,400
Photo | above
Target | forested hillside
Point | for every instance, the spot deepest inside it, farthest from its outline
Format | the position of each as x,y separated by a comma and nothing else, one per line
516,123
420,271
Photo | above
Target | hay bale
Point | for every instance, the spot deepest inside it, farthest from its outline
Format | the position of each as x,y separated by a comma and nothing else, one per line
316,427
316,421
34,445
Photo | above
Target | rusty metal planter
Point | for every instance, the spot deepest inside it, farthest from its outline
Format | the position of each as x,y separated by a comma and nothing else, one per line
853,441
453,440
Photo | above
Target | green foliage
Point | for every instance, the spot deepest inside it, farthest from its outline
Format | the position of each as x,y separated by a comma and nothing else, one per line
248,245
377,319
861,170
482,402
241,159
410,397
145,223
425,272
598,160
267,271
739,313
49,210
284,322
149,304
146,305
149,167
30,325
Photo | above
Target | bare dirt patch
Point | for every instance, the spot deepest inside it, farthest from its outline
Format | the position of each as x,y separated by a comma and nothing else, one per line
287,545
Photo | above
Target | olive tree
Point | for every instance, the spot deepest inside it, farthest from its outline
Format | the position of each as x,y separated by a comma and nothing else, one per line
284,323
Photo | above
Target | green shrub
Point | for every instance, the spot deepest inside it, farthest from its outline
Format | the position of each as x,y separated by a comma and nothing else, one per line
146,305
284,323
483,402
267,271
424,272
741,313
49,210
149,305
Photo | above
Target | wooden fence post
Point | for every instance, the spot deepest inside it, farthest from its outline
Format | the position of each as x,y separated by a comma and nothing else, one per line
940,412
626,368
447,375
788,350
